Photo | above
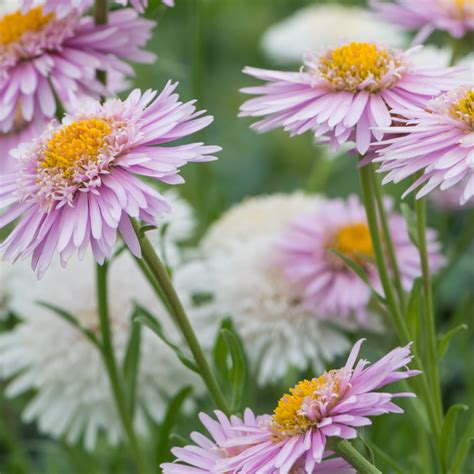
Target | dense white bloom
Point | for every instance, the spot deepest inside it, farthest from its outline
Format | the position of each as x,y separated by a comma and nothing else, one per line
73,399
321,26
246,284
256,215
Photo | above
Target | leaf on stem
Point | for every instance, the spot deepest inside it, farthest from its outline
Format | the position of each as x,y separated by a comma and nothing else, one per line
152,323
228,348
132,360
71,319
410,219
414,308
169,422
448,432
445,339
360,272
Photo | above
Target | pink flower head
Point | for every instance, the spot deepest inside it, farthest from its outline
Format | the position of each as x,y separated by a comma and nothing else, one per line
42,56
78,183
344,92
438,140
454,16
328,285
63,7
332,405
205,454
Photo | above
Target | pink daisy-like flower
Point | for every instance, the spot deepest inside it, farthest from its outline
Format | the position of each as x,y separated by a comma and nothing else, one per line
438,140
204,455
332,405
78,183
328,285
343,93
454,16
42,56
63,7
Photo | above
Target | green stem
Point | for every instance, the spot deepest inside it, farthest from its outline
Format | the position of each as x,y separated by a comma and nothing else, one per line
108,355
101,15
389,247
159,272
432,342
354,458
371,211
396,315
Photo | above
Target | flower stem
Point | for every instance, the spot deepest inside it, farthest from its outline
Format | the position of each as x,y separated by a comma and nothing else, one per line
354,458
397,316
158,270
101,15
368,193
389,247
432,344
110,362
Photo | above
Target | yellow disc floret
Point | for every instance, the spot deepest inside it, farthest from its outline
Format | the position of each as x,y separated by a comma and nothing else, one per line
354,240
359,65
14,25
464,108
74,146
299,410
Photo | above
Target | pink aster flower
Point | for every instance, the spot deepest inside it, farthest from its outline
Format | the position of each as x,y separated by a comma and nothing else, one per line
63,7
438,140
454,16
78,183
343,93
205,454
332,405
328,285
42,56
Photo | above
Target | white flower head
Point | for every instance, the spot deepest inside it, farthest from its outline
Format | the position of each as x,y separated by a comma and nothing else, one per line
323,26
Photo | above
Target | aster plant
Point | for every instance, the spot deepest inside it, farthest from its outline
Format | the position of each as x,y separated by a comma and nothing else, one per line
270,294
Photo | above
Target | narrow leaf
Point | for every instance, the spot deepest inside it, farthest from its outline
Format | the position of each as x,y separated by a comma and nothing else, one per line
445,339
131,361
238,370
360,272
410,219
71,319
169,422
414,308
148,320
448,431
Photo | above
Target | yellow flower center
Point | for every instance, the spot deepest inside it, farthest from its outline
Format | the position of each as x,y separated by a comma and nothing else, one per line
351,65
297,411
14,25
464,108
78,143
354,240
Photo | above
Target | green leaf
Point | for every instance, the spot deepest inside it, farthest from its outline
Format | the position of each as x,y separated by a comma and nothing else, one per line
410,219
220,350
360,272
132,360
148,320
71,319
169,422
238,370
445,339
384,456
414,308
448,432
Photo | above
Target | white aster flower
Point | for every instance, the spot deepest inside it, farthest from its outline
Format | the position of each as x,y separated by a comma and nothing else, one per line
256,215
323,26
277,330
72,395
